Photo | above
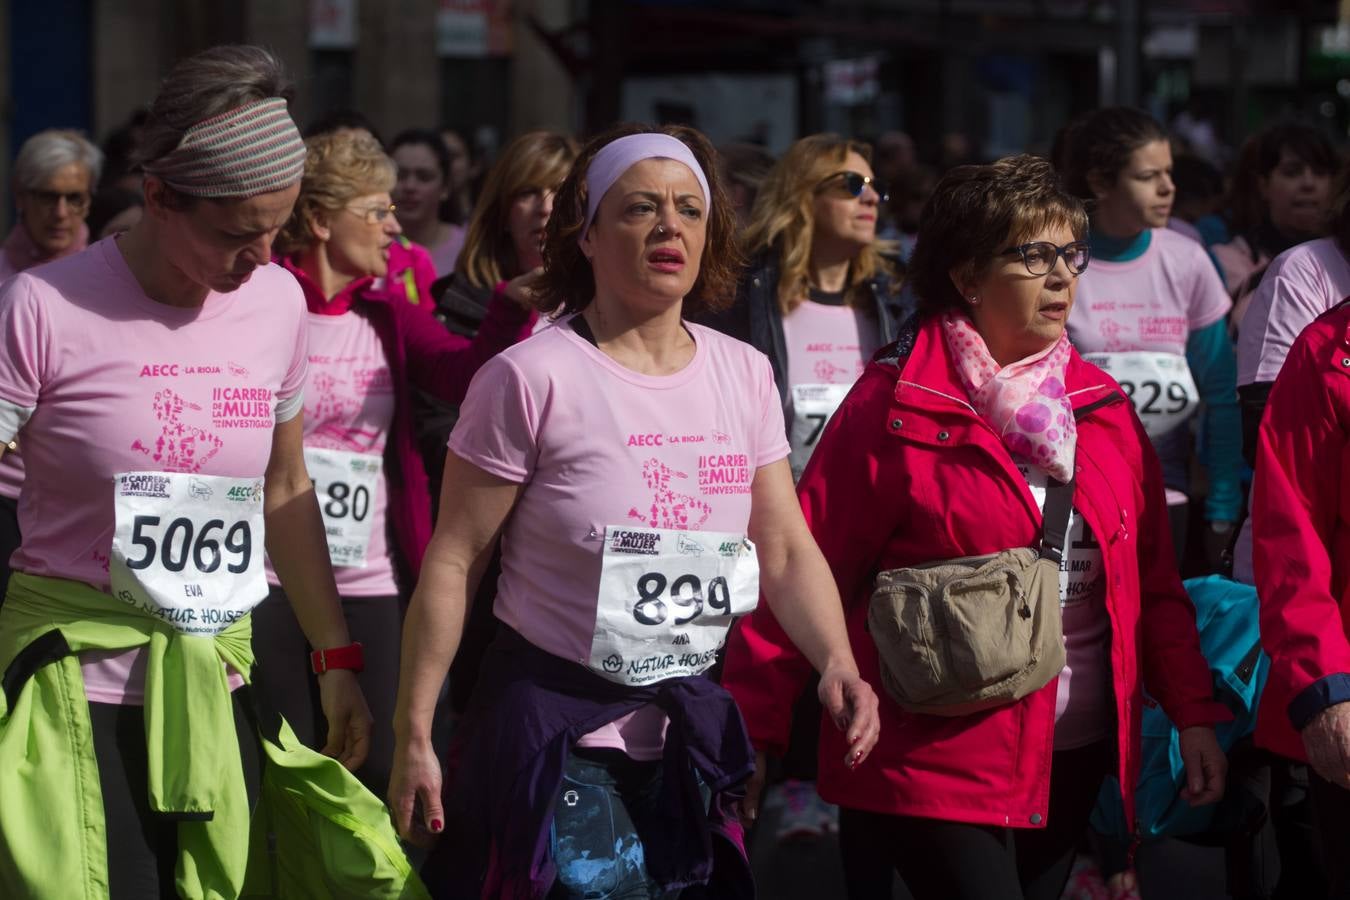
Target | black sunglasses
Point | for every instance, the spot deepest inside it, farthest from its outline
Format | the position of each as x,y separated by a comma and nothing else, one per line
854,182
1040,256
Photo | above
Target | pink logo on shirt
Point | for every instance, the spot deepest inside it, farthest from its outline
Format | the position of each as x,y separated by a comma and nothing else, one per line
180,447
669,509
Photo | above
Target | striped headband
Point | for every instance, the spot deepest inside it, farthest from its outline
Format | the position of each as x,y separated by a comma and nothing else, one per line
246,151
618,156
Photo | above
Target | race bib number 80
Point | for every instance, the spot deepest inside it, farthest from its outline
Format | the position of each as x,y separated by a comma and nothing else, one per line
346,484
188,548
667,599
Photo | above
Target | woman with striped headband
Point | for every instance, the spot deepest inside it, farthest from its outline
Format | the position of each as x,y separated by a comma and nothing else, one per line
155,382
638,466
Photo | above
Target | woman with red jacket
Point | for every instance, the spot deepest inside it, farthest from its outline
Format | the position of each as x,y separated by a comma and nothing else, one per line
946,448
1300,511
368,349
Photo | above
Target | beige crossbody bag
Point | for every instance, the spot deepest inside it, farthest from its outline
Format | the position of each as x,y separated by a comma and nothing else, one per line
963,635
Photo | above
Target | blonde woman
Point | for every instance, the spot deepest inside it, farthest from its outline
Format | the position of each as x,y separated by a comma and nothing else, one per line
820,295
819,298
368,348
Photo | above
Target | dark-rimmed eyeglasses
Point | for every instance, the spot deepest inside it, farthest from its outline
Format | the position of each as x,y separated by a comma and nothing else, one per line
76,201
1040,256
854,182
374,215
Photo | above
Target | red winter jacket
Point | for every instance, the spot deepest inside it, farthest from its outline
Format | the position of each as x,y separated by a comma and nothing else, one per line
1301,526
908,473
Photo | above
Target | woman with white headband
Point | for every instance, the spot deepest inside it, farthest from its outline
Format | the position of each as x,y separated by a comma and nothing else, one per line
638,466
154,381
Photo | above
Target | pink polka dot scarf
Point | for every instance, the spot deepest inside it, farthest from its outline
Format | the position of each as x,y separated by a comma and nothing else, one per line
1025,401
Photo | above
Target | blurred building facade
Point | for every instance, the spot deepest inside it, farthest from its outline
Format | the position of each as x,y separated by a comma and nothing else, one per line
1003,74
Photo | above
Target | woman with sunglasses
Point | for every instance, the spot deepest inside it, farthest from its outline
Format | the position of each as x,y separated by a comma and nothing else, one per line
819,299
950,448
1151,312
367,350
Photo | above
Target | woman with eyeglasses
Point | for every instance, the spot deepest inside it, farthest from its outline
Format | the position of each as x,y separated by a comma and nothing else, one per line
367,350
981,430
1151,312
54,177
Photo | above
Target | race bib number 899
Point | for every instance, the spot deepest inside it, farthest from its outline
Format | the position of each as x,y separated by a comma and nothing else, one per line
188,548
667,599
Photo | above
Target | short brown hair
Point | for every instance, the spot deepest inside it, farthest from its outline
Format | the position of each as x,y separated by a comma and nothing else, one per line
535,161
978,211
568,284
339,167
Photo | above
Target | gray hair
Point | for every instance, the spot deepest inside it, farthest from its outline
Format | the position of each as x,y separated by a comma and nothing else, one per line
207,85
47,151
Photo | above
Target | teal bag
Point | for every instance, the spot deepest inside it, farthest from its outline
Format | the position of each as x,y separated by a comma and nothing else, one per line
1227,616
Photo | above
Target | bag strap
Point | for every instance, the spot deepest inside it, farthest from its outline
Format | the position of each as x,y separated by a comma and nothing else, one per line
1055,520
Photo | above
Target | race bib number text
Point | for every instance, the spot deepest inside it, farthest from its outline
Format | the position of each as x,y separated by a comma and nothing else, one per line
667,599
1158,384
188,548
345,484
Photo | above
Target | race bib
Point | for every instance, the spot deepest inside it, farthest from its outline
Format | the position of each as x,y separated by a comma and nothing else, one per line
667,599
812,407
345,484
188,548
1159,384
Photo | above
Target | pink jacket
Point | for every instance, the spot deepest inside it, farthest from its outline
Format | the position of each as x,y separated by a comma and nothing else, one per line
908,473
1301,525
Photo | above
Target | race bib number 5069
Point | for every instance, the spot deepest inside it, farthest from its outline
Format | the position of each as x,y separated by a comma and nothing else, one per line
188,548
666,600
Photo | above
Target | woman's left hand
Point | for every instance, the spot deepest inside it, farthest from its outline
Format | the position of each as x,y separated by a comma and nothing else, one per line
853,707
1206,765
349,719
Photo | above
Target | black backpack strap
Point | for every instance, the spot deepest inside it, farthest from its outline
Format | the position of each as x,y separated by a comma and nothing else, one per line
1055,520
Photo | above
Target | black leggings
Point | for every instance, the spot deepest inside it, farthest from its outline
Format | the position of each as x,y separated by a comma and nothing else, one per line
291,688
9,539
942,860
143,846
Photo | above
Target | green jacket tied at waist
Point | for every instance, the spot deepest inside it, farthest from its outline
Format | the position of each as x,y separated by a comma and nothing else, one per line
316,831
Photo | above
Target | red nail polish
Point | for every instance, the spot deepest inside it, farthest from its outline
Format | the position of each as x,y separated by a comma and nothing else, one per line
436,826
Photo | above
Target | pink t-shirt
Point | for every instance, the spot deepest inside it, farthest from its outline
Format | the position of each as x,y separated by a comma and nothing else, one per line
596,444
349,405
1153,302
445,254
828,344
97,379
1301,283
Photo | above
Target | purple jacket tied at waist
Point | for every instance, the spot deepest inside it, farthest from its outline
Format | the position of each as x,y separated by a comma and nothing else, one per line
528,712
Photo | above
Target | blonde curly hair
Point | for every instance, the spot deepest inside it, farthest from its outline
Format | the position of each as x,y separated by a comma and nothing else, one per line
339,167
782,220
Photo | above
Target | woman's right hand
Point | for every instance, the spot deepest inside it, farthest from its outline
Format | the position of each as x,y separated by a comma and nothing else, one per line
520,290
416,779
754,789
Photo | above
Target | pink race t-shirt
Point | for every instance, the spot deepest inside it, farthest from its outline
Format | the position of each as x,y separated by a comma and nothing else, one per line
828,344
596,444
349,406
445,254
98,379
1301,283
1152,302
